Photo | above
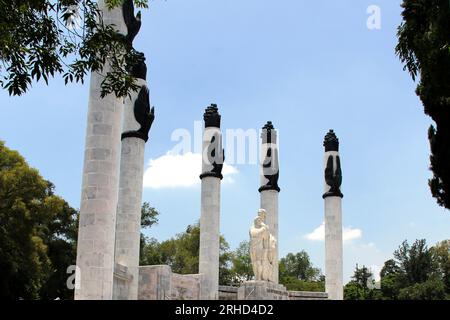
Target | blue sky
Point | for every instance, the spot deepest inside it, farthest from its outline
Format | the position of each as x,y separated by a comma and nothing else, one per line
306,65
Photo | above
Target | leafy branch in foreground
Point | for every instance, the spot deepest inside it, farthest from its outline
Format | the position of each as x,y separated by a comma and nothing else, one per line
41,38
424,49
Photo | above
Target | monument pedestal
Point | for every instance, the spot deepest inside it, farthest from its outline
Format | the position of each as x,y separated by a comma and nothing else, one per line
262,290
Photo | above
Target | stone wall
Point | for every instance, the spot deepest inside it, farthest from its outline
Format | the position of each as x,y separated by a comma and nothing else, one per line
155,283
231,293
262,290
307,295
228,293
159,283
185,287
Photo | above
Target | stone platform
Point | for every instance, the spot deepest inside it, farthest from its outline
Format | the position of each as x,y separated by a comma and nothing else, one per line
262,290
158,282
307,295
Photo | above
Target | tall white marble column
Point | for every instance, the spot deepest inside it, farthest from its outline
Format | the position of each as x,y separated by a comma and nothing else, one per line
95,247
269,190
333,218
212,163
138,118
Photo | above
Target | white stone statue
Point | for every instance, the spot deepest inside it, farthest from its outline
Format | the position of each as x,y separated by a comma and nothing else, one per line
262,249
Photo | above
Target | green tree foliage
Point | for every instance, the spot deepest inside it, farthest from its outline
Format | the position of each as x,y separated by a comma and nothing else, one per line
242,269
38,232
441,255
37,229
423,46
42,38
352,291
149,217
390,267
299,266
392,279
417,272
361,287
362,277
297,273
415,261
226,276
181,253
61,242
431,289
294,284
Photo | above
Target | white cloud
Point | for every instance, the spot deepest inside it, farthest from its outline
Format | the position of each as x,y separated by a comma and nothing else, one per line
348,234
355,252
176,170
318,234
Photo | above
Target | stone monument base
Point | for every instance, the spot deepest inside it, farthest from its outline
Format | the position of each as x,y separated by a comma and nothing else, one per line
160,283
262,290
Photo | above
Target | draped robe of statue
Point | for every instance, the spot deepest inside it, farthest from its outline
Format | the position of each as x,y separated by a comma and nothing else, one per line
262,248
